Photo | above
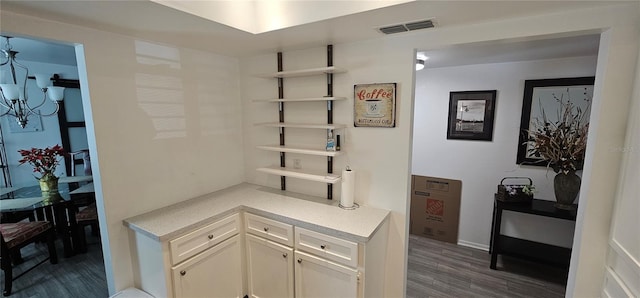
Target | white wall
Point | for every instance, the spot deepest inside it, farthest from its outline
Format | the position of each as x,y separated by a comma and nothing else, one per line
610,123
481,164
623,270
141,172
47,136
167,125
381,156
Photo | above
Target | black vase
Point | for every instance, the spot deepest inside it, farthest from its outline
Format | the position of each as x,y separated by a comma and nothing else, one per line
566,187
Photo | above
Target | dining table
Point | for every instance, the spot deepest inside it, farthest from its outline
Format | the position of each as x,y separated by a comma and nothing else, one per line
20,203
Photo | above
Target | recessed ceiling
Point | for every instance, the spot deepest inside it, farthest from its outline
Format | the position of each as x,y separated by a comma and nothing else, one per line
510,51
149,20
259,16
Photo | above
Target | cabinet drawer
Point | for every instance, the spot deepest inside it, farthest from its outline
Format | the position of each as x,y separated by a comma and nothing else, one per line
197,241
332,248
270,229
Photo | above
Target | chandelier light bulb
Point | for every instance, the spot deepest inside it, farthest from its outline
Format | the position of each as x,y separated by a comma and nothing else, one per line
55,93
43,80
10,91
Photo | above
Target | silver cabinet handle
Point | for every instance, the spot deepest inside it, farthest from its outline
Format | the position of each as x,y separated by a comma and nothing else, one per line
300,261
266,229
210,237
284,255
323,246
183,273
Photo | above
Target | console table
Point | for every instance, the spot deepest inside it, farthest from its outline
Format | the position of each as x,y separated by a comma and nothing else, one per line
526,249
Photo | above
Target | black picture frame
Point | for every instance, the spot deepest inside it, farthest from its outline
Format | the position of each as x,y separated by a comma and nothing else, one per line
471,115
532,104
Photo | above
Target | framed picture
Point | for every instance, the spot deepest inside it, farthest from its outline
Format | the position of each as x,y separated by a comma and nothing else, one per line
471,115
547,96
374,105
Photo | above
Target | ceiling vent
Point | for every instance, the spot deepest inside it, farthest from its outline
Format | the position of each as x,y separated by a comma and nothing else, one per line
407,27
419,25
393,29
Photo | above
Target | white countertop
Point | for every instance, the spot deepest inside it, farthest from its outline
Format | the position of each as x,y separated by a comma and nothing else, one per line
316,214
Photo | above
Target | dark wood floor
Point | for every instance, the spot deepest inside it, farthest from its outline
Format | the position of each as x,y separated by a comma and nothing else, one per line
440,269
79,276
435,269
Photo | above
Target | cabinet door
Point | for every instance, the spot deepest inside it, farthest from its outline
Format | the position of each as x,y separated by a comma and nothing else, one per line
270,268
317,277
216,272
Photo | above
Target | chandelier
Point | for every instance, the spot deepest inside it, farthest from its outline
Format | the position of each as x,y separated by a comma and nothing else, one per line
14,93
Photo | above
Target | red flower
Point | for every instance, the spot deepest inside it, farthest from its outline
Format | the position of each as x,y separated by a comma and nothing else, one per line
44,161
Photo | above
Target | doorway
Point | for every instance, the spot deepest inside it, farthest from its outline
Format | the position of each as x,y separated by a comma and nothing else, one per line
66,127
480,165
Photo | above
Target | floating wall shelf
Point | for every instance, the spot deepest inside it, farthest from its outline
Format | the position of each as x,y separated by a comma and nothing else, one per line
332,98
301,174
329,177
299,150
304,72
303,125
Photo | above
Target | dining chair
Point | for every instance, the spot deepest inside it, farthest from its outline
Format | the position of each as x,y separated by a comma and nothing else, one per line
88,216
85,209
14,236
86,161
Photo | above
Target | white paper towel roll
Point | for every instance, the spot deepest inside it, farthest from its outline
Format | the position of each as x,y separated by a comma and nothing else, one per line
348,187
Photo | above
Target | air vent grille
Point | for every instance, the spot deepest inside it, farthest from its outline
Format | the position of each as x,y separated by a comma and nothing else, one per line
419,25
393,29
407,27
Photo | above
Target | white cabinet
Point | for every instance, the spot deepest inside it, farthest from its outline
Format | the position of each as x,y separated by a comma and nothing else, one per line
269,268
321,265
215,272
323,260
351,269
269,257
261,257
317,277
204,262
328,247
193,243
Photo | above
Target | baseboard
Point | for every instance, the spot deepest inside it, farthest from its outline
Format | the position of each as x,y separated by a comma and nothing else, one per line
473,245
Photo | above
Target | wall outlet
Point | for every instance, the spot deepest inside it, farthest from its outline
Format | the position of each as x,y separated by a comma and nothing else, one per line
297,163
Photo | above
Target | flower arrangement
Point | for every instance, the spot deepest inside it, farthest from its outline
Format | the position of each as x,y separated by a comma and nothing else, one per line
514,190
515,193
562,143
44,161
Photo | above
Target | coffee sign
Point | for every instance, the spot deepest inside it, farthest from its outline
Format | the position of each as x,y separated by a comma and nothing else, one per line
375,105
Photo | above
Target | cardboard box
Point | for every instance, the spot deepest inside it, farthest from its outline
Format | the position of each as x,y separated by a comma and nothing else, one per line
435,208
